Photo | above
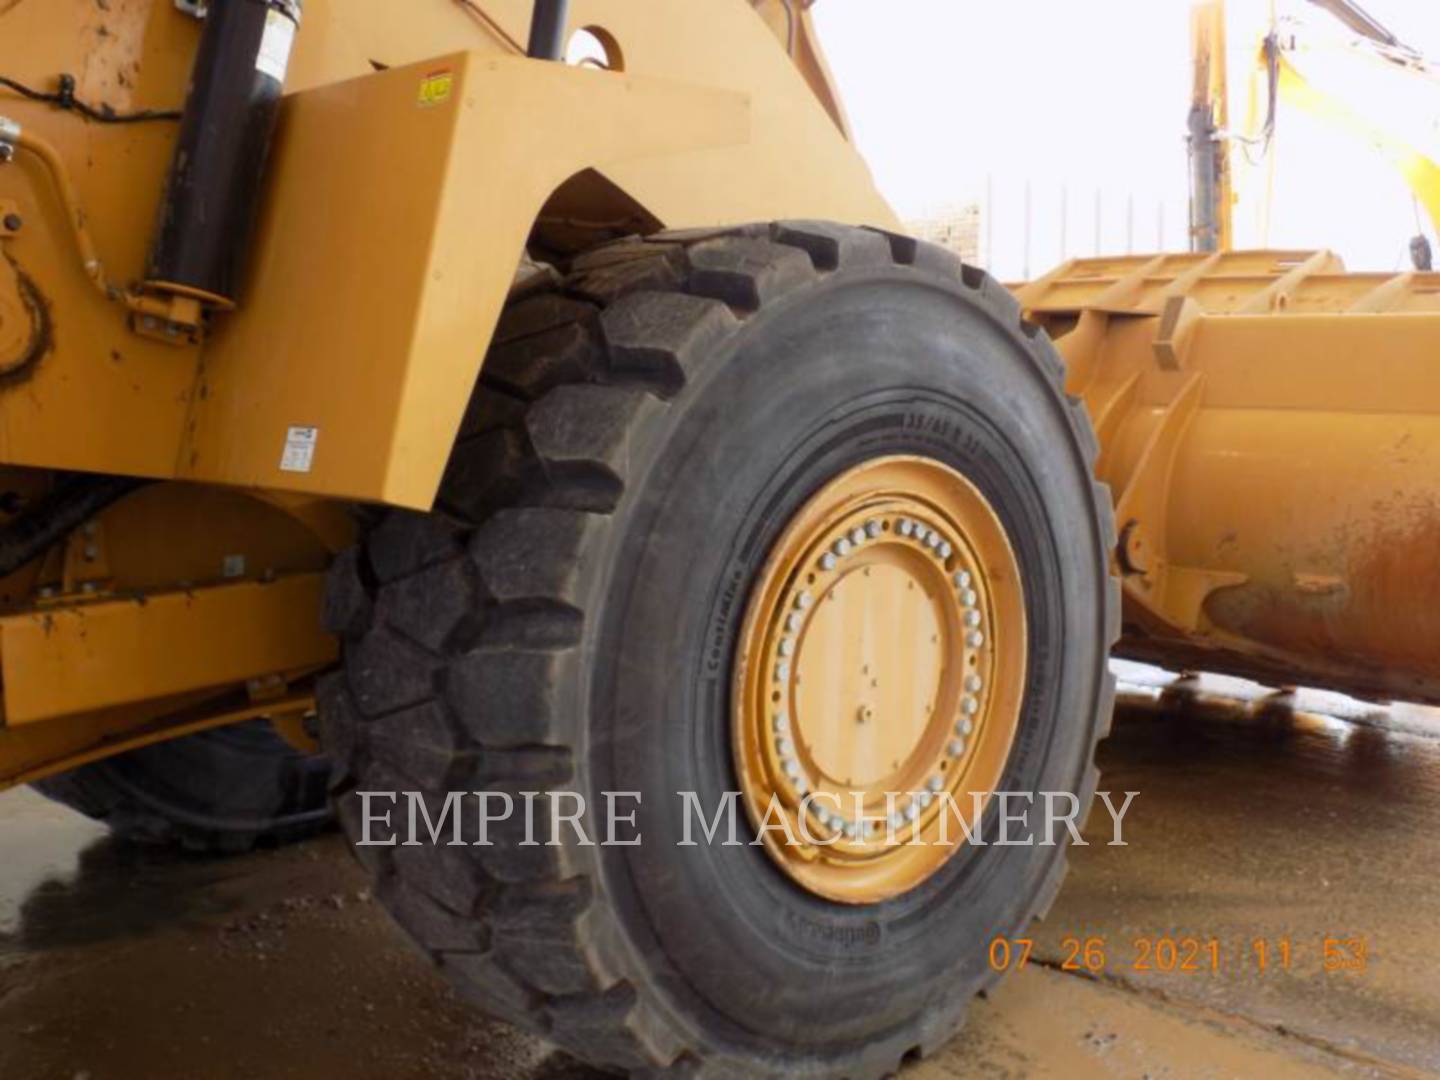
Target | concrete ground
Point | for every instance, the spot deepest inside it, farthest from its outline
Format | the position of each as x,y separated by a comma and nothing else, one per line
1254,823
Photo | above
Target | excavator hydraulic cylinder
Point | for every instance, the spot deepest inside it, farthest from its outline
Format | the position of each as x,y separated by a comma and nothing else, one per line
207,217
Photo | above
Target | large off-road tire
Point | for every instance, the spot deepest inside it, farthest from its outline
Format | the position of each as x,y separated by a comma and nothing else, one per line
222,791
568,618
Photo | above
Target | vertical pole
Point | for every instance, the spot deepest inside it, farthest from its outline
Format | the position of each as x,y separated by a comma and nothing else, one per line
1028,224
990,222
547,29
1210,209
1064,222
1099,218
1204,191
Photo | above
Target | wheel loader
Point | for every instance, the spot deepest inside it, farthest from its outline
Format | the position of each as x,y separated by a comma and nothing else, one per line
537,399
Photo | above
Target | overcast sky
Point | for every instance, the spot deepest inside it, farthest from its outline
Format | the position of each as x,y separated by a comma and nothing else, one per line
1086,99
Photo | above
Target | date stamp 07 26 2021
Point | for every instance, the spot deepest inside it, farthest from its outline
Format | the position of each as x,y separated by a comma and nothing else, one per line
1333,954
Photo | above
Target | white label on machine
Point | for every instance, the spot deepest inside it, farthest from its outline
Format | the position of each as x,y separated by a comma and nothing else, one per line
299,452
275,46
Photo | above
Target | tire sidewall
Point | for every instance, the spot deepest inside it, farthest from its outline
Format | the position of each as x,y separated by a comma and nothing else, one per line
863,365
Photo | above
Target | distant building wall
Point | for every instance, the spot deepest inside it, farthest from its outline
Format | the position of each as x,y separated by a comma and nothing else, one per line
955,227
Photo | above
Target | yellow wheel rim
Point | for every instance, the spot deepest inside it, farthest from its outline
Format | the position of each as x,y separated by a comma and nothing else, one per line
879,679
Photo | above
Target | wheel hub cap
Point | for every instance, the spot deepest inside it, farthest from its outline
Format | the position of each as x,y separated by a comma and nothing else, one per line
881,668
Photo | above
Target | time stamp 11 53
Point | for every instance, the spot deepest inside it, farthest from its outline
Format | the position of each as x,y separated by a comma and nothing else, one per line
1332,954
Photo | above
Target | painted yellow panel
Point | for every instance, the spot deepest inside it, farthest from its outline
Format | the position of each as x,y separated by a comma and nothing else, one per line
114,652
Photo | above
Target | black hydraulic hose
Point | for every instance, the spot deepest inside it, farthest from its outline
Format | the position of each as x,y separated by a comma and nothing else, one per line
64,509
65,98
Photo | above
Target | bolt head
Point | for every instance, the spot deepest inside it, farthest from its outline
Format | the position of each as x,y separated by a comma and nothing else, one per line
872,529
935,783
14,223
975,639
827,561
955,747
962,579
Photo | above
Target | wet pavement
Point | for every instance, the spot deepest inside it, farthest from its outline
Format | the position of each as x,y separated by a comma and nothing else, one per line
1257,828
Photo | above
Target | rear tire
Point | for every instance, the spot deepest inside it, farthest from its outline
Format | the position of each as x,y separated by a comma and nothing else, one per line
222,791
567,621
